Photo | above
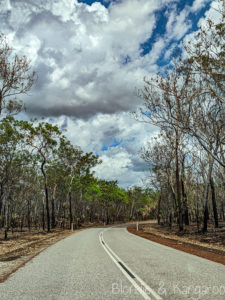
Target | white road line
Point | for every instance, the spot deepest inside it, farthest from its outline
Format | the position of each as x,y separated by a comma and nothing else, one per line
140,290
116,259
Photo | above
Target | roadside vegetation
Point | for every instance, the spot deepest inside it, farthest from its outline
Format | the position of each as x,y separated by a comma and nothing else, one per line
187,158
46,182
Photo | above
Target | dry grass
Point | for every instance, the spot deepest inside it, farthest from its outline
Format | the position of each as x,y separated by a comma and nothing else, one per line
214,238
19,244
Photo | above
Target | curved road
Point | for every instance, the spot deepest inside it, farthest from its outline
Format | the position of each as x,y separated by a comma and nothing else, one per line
111,263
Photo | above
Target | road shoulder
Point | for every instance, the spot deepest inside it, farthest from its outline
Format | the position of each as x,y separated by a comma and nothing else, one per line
16,253
207,252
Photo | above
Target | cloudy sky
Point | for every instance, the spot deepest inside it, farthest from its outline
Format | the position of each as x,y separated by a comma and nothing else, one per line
89,57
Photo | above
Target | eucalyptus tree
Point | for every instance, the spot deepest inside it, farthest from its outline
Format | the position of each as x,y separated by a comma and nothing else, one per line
120,203
138,200
164,98
57,183
27,192
16,77
92,194
176,105
107,195
70,158
85,171
160,155
204,70
206,55
11,154
43,139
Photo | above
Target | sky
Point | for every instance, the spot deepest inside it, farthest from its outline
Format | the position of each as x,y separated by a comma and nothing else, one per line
90,57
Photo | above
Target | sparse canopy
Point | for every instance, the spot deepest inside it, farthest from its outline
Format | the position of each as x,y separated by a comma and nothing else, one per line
15,77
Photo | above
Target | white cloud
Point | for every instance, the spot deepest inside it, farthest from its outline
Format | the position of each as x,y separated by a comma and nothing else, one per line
198,4
178,24
116,138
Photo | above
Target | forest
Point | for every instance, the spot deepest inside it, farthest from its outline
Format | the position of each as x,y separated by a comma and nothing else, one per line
47,182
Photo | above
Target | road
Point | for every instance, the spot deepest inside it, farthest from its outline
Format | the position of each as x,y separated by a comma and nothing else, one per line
111,263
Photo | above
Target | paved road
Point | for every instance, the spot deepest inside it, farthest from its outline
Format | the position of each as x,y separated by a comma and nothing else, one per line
111,263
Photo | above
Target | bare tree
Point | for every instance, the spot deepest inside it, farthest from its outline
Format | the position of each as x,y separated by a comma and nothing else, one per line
15,77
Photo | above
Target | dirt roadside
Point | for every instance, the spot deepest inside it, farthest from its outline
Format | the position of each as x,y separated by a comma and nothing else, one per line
210,246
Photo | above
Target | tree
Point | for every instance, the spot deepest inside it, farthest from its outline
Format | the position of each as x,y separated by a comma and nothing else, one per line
178,103
43,139
164,100
15,77
13,156
206,56
70,157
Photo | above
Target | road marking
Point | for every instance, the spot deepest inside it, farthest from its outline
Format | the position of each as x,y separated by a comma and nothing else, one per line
130,275
128,272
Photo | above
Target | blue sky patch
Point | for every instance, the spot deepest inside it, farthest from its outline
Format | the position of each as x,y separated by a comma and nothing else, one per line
114,144
90,2
160,29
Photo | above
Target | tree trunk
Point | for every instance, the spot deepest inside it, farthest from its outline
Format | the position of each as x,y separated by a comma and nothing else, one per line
222,211
70,207
159,208
107,216
180,217
70,200
3,216
197,217
28,215
132,209
46,195
184,195
53,207
6,222
47,207
1,197
21,224
206,218
206,210
43,216
215,213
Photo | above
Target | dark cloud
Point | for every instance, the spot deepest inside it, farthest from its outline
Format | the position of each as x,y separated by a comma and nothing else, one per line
112,131
42,77
84,111
139,165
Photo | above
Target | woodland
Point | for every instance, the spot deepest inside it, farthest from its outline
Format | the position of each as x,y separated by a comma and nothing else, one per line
47,182
187,158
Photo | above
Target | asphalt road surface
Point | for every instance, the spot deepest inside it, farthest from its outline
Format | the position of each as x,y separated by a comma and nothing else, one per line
111,263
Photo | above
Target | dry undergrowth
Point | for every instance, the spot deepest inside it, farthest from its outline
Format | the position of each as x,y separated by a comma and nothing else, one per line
214,238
